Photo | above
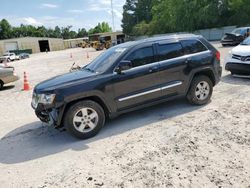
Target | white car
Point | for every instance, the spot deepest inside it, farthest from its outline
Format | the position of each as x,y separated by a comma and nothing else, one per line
238,60
8,57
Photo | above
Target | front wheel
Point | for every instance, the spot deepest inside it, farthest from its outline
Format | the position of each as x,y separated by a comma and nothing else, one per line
84,119
232,72
200,91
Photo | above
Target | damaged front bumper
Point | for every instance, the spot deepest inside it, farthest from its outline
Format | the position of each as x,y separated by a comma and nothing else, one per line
47,115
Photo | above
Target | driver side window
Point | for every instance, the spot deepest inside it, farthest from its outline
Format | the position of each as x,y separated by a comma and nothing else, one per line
141,57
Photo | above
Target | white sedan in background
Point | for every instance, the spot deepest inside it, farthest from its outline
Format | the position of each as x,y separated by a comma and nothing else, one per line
238,60
7,57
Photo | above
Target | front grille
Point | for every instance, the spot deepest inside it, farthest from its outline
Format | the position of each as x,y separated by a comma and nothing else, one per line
241,58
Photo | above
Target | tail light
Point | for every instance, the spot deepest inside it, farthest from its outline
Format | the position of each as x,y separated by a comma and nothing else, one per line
217,55
14,73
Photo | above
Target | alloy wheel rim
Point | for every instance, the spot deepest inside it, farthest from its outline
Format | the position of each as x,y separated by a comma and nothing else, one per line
202,91
85,120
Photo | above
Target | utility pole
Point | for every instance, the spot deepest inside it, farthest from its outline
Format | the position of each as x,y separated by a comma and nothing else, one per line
112,12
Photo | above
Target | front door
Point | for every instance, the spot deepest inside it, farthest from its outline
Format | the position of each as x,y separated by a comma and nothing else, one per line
139,84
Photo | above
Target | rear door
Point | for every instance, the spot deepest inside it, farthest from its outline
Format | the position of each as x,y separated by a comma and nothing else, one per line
198,57
196,53
173,67
139,84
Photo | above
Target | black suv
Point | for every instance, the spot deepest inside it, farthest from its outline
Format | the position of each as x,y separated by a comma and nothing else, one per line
127,77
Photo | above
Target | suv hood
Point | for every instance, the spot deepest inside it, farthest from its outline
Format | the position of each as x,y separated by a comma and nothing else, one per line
231,36
242,50
63,80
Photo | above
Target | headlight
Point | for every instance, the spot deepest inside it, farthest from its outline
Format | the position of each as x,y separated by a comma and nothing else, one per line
46,98
230,54
42,99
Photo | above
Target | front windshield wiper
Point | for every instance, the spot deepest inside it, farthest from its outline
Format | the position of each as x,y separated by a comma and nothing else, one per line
88,69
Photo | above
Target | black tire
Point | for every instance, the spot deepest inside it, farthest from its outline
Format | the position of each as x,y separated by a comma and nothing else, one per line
1,84
73,111
194,98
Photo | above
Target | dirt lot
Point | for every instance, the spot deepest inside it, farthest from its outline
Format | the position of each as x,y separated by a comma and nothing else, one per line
169,145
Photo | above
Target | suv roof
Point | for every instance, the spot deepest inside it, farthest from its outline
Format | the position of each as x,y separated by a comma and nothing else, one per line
159,38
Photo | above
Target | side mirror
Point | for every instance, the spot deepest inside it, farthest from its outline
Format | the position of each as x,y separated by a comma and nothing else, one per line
123,65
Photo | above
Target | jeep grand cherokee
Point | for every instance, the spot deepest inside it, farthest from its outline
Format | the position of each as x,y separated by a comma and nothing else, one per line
127,77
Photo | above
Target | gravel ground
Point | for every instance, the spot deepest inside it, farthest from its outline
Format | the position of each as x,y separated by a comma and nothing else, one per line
170,145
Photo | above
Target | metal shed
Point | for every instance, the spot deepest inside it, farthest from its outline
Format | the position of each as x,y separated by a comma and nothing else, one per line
36,44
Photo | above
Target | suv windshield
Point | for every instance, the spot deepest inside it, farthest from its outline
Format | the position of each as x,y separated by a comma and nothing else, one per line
104,60
246,41
6,54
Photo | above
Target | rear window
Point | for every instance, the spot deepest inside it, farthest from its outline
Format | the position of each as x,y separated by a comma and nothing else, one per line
169,51
193,46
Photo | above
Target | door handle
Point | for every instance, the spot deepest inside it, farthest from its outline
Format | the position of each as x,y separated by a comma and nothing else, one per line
153,69
188,60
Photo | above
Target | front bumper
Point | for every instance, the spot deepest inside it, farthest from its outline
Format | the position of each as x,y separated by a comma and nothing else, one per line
46,115
229,42
238,68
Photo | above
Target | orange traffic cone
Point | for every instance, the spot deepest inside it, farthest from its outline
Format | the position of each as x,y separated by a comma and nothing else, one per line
26,86
87,55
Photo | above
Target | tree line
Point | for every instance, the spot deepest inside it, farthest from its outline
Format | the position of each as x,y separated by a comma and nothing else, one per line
149,17
7,31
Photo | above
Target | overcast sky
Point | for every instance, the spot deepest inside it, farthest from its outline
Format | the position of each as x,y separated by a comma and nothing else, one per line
78,13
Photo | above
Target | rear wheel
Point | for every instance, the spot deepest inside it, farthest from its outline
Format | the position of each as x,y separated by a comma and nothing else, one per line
200,91
84,119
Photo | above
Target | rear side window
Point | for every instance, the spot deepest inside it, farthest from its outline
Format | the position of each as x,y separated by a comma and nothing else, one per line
141,57
169,51
192,46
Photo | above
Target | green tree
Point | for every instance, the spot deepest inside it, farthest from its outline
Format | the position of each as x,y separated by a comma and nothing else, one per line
57,32
100,28
137,13
239,12
141,29
5,29
82,33
162,16
66,32
130,18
